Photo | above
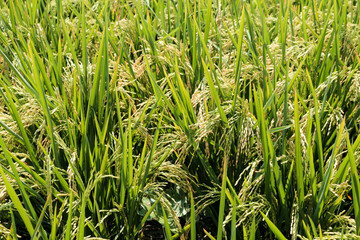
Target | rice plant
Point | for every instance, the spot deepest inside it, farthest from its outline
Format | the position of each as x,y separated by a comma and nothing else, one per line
179,119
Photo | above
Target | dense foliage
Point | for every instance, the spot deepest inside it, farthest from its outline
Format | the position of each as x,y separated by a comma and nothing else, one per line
214,118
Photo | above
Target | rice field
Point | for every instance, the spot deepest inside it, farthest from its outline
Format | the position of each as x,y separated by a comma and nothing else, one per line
179,119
